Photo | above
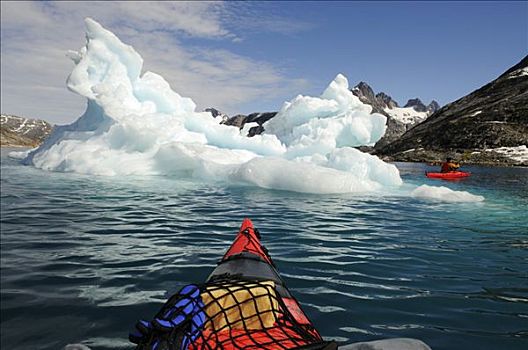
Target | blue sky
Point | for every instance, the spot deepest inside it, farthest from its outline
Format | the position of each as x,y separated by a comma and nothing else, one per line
431,50
242,57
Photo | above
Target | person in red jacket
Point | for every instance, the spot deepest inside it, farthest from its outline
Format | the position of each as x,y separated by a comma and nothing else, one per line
449,165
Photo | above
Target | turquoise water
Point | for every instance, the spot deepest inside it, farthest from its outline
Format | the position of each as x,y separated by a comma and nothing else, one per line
84,257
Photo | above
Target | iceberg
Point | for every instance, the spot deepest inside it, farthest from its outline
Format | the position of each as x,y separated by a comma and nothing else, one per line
444,194
308,125
135,124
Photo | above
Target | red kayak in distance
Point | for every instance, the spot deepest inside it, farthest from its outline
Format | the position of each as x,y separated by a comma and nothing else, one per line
452,175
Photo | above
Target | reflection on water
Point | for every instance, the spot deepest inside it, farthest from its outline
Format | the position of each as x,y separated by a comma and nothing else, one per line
84,257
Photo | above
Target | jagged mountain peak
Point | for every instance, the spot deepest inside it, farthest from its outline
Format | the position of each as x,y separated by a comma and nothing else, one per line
399,119
365,90
386,100
363,85
495,115
433,107
382,101
417,104
214,112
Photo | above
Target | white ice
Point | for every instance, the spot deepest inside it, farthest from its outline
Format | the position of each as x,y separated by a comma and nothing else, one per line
444,194
135,124
309,125
19,154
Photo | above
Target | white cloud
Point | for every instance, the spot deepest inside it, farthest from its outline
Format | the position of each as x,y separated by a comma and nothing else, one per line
267,16
36,35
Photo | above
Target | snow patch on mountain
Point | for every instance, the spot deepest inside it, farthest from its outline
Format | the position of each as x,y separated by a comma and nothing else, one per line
24,132
406,115
22,126
519,153
518,73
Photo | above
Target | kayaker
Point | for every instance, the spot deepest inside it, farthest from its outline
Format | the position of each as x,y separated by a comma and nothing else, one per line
449,165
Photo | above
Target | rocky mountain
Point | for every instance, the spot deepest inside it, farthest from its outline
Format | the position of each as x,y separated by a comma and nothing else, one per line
240,120
386,100
417,104
216,113
399,119
366,95
492,117
18,131
432,107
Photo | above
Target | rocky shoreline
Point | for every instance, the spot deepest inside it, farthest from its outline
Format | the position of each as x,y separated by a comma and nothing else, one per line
467,157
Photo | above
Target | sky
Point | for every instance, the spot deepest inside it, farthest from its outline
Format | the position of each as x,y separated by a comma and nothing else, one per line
243,57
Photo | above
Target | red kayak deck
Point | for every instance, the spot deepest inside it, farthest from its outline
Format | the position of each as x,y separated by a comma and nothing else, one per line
448,176
248,240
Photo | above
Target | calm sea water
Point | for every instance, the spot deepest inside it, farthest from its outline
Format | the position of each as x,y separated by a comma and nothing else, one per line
84,257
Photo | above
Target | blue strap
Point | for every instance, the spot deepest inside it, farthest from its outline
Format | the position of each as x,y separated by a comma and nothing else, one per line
197,323
186,305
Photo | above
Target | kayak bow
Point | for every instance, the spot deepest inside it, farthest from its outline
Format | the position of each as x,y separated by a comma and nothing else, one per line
244,304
